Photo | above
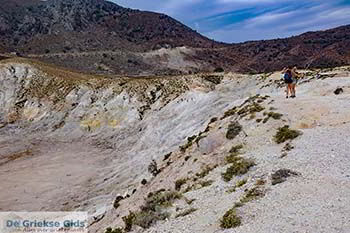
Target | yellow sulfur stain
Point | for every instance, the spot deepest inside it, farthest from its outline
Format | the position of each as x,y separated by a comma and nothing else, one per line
90,124
113,123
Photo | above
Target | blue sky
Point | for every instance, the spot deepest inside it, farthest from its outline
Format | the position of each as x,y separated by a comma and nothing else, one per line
243,20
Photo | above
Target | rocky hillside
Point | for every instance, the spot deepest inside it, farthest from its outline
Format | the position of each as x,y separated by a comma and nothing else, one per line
63,26
97,36
320,49
195,153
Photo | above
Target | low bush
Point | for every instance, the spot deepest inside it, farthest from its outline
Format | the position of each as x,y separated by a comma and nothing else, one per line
233,130
179,183
230,219
252,194
239,166
284,133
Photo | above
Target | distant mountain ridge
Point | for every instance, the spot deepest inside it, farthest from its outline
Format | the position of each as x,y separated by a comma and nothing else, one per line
98,36
54,26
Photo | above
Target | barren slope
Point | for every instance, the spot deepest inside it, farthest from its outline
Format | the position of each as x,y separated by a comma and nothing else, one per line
71,141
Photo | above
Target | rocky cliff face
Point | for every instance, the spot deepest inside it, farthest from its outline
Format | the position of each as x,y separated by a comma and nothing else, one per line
81,142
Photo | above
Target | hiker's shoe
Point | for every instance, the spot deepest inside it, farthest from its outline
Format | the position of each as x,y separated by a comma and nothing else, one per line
293,96
287,97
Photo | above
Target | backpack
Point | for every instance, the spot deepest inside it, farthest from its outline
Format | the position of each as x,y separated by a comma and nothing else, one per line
288,77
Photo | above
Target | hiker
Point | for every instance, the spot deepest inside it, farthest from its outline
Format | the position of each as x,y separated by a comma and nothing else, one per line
287,76
295,77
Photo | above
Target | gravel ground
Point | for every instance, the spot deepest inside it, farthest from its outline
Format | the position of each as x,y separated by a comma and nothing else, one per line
317,200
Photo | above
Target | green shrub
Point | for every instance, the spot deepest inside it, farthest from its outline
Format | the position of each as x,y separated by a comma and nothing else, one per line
252,194
230,219
188,144
229,113
236,149
284,133
233,130
152,210
206,183
205,171
241,183
239,166
232,158
129,221
160,199
153,168
275,115
179,183
145,219
250,109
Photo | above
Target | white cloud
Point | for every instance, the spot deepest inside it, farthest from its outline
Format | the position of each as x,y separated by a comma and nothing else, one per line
268,19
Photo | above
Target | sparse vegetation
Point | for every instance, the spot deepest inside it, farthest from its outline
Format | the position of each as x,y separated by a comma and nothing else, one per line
188,144
252,194
116,230
232,157
143,181
239,166
186,212
212,120
199,138
206,183
128,221
229,113
288,147
153,168
230,219
215,79
240,183
116,201
236,149
190,201
231,190
152,210
167,156
233,130
179,183
147,219
250,109
284,133
205,171
160,199
281,176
